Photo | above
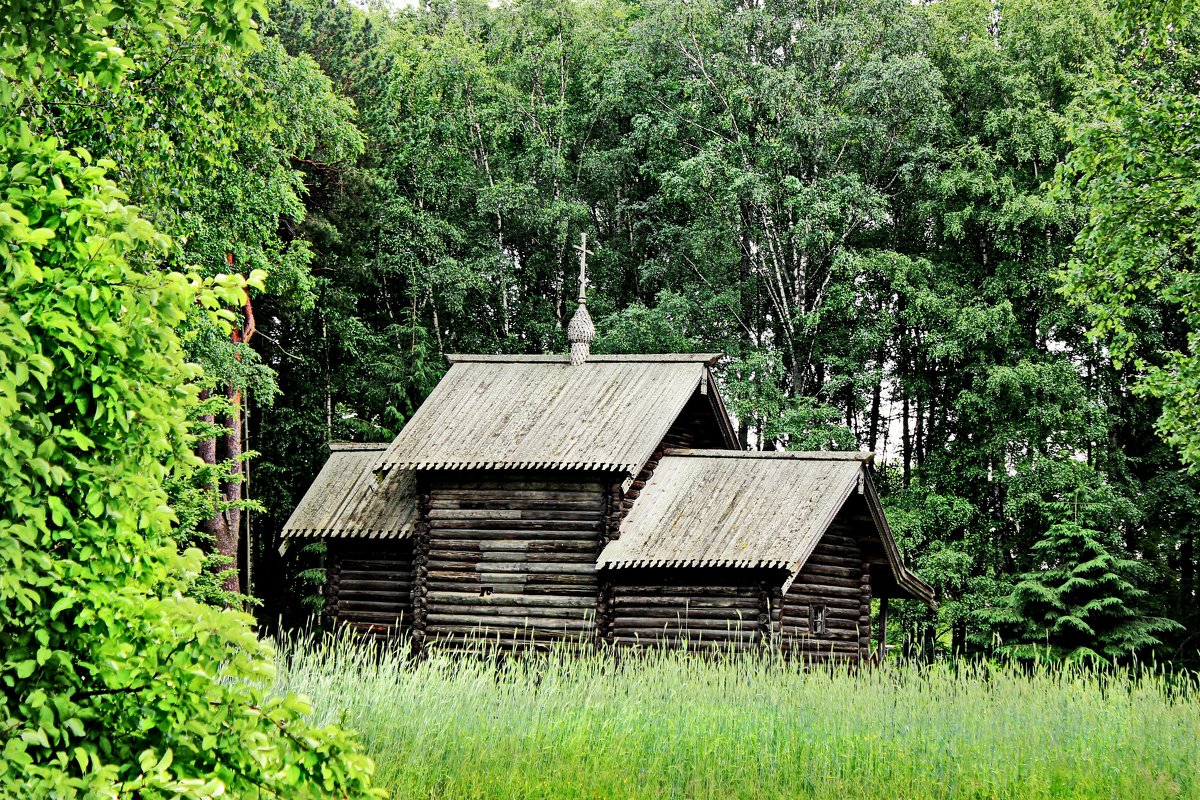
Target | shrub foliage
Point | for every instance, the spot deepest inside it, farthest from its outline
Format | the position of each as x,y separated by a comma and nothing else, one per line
113,683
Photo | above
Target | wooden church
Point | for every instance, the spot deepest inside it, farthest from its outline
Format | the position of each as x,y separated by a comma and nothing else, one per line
600,498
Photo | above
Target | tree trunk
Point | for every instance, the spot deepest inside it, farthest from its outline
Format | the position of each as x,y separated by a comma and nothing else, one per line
228,533
225,525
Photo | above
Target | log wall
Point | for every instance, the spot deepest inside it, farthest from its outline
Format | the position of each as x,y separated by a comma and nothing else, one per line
696,426
836,576
369,585
693,607
510,555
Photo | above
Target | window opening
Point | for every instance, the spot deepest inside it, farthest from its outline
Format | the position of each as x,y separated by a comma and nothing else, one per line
816,619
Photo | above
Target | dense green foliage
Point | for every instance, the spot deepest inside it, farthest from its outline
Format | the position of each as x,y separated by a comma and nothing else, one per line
1134,164
113,682
1081,603
657,725
226,232
849,199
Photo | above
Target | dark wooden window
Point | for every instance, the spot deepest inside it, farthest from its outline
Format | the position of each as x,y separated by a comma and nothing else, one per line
816,620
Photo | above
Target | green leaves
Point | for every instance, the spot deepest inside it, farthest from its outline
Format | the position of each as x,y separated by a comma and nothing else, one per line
112,681
1081,603
1133,166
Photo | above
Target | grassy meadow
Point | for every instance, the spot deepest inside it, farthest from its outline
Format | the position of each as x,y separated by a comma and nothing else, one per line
669,725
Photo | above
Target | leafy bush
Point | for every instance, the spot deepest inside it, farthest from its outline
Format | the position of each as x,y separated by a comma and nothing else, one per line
113,682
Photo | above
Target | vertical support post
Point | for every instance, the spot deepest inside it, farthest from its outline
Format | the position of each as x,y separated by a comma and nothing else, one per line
864,613
764,614
333,579
883,615
609,530
420,589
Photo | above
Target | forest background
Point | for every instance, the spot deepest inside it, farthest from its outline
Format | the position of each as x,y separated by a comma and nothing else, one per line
890,217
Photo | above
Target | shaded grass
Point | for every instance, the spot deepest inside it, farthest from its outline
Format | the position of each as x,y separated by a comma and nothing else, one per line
667,724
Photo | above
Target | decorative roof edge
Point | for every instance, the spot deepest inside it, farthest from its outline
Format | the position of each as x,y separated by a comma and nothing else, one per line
596,466
348,533
689,563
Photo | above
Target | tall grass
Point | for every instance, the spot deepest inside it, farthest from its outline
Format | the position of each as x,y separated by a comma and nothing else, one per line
667,724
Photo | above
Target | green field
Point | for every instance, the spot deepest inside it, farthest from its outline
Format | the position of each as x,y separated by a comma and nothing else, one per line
665,724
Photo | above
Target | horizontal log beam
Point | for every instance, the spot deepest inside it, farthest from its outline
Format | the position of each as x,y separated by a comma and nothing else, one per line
511,556
345,604
641,601
519,567
824,570
800,646
381,617
375,575
353,592
823,592
823,582
690,626
371,585
660,590
371,564
701,646
830,635
487,614
505,530
659,634
835,539
572,517
660,612
583,590
569,631
513,520
514,621
591,506
445,580
852,562
572,492
516,545
507,600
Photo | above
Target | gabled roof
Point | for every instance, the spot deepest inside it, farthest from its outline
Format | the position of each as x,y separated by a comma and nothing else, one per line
713,508
538,412
348,498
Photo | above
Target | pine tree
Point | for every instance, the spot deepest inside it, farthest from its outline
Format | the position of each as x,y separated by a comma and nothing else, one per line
1083,603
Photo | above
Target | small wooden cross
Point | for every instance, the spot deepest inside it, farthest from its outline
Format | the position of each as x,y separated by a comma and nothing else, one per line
583,254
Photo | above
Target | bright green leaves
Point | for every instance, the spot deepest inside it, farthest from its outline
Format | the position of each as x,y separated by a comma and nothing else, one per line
1133,166
112,682
76,37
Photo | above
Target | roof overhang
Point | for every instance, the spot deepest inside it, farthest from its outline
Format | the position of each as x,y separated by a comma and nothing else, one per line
667,532
905,578
352,498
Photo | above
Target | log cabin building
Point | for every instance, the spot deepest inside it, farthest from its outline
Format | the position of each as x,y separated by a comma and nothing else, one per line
599,499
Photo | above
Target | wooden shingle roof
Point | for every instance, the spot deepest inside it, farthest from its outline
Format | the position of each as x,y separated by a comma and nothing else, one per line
712,508
350,498
541,412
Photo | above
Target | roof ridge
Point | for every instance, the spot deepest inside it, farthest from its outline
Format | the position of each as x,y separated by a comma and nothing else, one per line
797,455
336,446
707,358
